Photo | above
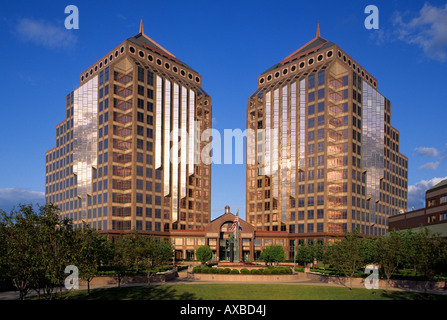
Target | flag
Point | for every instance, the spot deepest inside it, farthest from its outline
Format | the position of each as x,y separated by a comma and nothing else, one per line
235,222
236,225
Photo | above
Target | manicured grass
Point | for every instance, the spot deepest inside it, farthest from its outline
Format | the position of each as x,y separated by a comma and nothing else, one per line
244,292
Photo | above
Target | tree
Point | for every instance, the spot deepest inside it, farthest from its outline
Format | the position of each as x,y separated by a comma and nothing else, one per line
18,248
204,254
56,245
347,255
273,254
410,253
440,263
156,252
137,243
120,260
388,253
91,248
426,252
36,248
305,253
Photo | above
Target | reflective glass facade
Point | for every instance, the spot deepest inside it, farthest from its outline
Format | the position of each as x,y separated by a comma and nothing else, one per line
373,136
127,156
85,139
333,165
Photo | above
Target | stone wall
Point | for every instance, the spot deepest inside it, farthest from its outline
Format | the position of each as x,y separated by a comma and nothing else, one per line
113,280
393,284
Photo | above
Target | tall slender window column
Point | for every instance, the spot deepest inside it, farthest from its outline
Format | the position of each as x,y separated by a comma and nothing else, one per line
158,122
302,124
184,141
167,140
275,144
293,139
192,132
268,131
284,155
175,151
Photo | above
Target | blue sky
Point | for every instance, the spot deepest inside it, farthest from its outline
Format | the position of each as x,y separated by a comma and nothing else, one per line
229,43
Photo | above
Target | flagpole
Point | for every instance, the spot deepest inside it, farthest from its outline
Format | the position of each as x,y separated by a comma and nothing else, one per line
237,237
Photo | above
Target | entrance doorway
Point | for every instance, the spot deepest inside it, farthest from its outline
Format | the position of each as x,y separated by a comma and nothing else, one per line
226,252
226,242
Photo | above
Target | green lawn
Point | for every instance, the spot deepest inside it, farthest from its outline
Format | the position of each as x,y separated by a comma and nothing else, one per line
244,292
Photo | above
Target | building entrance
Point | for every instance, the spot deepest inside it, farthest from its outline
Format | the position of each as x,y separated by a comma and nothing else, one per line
226,250
226,243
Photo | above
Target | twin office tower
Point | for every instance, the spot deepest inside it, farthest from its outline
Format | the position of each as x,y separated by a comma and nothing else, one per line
323,159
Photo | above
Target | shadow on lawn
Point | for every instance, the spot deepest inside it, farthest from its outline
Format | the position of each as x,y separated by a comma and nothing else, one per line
403,295
133,293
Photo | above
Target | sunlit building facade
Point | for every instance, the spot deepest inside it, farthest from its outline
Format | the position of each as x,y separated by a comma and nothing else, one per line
324,158
127,156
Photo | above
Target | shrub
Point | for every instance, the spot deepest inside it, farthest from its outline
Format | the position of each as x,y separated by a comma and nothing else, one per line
255,271
285,270
234,271
245,271
227,270
204,254
273,254
206,270
197,269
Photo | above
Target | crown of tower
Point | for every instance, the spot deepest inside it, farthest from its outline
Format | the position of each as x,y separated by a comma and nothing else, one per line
313,45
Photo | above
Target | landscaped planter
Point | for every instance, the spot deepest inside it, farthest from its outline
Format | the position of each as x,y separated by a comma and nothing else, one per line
248,277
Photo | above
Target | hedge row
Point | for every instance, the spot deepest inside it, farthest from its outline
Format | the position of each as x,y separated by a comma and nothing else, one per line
277,270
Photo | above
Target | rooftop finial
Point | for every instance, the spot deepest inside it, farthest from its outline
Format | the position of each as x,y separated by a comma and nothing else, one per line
318,29
141,26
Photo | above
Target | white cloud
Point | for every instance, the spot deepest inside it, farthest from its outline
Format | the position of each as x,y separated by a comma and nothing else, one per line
416,192
428,30
45,33
12,197
430,165
427,152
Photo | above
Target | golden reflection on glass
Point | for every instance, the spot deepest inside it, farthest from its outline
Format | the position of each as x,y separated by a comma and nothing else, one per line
373,143
284,156
275,143
293,139
268,125
184,141
158,123
192,132
166,139
302,123
174,155
85,139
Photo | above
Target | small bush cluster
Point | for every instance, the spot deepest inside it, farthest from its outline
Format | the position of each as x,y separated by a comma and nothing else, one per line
206,269
275,270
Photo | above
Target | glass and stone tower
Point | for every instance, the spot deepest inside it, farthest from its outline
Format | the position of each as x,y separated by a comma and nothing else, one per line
324,158
127,156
